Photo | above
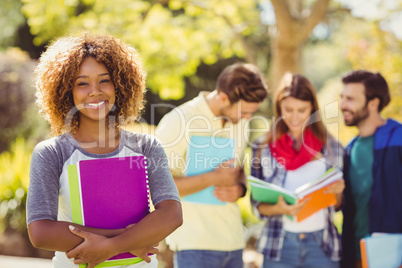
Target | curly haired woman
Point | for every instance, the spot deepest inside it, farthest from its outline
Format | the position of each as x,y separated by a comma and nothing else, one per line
87,86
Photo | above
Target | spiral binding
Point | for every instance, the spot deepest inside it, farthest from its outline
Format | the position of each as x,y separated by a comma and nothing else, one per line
147,182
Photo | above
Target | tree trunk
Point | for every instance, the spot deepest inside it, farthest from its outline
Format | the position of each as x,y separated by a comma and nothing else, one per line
293,29
286,58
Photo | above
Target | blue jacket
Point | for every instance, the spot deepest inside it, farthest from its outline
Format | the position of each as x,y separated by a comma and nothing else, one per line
385,212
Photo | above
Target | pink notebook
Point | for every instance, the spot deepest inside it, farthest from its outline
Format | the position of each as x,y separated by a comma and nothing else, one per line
110,193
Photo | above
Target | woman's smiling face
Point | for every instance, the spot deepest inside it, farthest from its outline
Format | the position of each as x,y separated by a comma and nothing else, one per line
93,92
295,114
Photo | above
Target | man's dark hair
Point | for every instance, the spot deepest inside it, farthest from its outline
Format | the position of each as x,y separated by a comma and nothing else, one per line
374,84
242,81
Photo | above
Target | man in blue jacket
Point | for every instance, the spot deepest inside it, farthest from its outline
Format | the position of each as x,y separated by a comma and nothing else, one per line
373,164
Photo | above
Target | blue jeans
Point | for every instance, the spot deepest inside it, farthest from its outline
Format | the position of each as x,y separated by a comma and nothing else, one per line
208,258
302,250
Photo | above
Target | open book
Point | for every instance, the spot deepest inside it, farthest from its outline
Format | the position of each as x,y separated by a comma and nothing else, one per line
109,193
381,250
266,192
204,154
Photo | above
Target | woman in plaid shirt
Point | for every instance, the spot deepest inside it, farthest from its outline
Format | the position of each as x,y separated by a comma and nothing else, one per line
297,151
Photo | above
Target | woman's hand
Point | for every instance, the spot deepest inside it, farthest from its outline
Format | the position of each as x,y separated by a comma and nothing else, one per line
281,208
286,209
94,250
143,252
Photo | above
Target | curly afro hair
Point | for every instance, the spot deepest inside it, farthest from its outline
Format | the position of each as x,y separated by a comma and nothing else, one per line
58,67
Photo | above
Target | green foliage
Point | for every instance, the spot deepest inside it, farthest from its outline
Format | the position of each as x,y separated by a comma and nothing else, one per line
50,16
14,180
10,19
173,37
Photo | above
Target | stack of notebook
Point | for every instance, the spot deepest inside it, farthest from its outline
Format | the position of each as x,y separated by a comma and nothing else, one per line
110,193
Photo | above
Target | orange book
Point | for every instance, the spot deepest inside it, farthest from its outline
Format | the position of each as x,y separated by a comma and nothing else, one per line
318,200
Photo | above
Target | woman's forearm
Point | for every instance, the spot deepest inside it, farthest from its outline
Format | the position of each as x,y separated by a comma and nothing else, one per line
269,209
55,235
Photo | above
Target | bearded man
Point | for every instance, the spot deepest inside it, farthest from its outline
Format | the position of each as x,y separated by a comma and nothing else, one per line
373,164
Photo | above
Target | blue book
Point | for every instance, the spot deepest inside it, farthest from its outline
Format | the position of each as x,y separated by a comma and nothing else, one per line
381,250
204,154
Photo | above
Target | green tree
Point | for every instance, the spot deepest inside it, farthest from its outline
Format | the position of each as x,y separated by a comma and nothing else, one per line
172,36
175,36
